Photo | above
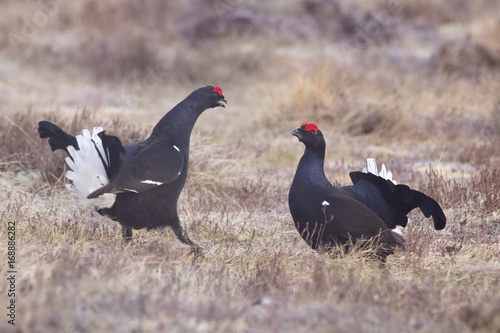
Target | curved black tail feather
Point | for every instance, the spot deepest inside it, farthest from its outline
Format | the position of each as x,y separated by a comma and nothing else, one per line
430,207
58,139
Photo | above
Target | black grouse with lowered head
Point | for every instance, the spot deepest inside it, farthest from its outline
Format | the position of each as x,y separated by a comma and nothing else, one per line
137,185
331,221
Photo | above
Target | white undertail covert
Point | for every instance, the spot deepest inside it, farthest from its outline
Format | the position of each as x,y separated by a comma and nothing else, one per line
371,167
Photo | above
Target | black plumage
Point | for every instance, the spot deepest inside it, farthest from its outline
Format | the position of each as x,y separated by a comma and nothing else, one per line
58,139
392,202
326,215
145,179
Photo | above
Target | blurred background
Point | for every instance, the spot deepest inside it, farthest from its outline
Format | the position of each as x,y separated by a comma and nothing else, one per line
414,84
415,79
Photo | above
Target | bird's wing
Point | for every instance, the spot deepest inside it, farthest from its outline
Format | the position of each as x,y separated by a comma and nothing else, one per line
349,218
155,165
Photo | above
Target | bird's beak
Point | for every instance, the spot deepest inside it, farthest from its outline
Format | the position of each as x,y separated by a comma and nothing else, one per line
297,133
219,103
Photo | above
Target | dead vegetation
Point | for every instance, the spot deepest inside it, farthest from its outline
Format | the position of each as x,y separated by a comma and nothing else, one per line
416,89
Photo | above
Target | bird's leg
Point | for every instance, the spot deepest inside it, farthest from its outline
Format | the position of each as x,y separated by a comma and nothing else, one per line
183,237
127,233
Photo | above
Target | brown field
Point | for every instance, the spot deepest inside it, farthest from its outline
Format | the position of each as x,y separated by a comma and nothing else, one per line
414,84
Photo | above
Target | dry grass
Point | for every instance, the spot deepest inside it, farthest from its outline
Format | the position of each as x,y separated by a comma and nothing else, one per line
417,90
22,150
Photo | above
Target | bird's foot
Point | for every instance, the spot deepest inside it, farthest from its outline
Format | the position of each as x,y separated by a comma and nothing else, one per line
126,233
197,251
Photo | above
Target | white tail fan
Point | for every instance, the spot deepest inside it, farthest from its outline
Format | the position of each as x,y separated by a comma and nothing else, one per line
371,167
87,170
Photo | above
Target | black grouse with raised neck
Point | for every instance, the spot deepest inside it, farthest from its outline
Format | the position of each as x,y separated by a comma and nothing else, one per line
137,185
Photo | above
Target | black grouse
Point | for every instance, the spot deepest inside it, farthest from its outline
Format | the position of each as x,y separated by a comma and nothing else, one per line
326,215
137,185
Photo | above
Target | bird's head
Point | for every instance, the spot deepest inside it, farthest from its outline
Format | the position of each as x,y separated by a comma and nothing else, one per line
212,96
309,134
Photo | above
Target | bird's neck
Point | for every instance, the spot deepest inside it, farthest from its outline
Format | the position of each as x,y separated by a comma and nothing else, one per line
311,167
178,122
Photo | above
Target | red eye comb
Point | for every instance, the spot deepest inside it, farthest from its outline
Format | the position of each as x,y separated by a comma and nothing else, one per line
218,90
309,127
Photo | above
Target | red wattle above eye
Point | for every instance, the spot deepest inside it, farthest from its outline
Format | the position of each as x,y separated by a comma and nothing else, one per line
218,90
309,127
